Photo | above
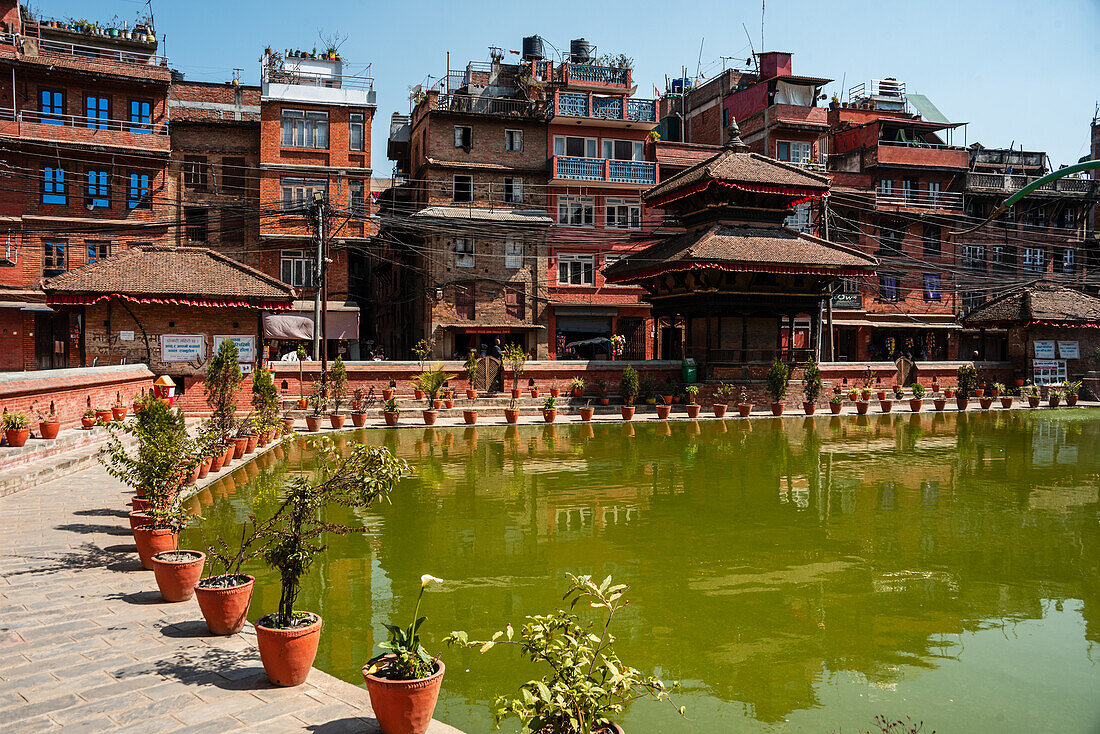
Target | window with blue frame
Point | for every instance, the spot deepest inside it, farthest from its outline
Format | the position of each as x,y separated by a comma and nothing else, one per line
97,194
141,116
98,111
53,186
98,251
139,191
931,287
890,287
51,103
53,258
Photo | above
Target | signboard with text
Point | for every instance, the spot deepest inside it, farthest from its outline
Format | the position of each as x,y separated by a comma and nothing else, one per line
1044,349
182,347
1068,350
246,346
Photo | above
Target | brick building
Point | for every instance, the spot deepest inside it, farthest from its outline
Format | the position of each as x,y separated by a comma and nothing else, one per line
83,113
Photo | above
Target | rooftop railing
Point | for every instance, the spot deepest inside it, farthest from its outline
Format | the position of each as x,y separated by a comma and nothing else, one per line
604,76
80,50
308,79
91,123
478,105
1006,182
576,104
919,199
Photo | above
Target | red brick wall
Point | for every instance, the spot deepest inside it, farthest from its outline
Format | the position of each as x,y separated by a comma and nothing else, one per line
71,391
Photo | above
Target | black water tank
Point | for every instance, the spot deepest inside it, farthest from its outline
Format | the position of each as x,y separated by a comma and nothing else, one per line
580,51
532,48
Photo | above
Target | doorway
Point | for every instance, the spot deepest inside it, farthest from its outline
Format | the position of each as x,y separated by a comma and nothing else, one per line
51,341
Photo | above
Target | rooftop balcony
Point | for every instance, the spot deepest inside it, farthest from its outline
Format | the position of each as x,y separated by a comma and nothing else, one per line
918,155
925,200
484,105
78,129
592,77
604,171
131,60
1004,184
313,80
604,111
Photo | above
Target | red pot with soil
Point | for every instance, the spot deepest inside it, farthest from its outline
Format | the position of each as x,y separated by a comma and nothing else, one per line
151,541
516,394
87,422
449,403
809,407
391,418
578,392
140,518
949,394
627,412
663,411
534,392
336,420
1053,401
692,410
418,394
915,404
17,436
939,403
140,505
49,429
359,419
239,445
550,414
204,467
404,706
470,416
605,401
979,392
586,413
667,398
862,406
288,424
224,601
511,415
287,654
835,408
429,417
1006,402
177,572
777,408
118,412
313,422
1071,400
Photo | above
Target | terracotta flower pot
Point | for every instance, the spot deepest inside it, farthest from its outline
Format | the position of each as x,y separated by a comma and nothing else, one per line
550,414
995,393
555,392
1053,401
141,506
104,416
511,415
939,403
176,579
429,417
663,411
979,392
961,403
288,424
287,654
404,706
359,419
865,395
915,404
313,422
418,394
251,443
949,394
227,457
578,392
239,445
1071,400
471,394
1033,402
534,392
885,405
216,463
862,406
118,412
835,408
437,404
140,518
49,429
605,401
586,413
387,393
204,467
744,409
336,420
225,609
470,416
881,395
985,402
17,436
809,407
667,399
1006,401
627,412
302,403
777,408
151,541
449,403
516,394
692,410
87,422
719,409
391,418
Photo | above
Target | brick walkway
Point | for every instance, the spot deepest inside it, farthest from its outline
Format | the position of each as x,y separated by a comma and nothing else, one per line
87,644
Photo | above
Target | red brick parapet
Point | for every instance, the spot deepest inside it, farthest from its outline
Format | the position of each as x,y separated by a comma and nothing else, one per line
70,389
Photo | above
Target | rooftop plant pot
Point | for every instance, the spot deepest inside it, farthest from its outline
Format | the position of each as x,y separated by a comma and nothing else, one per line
313,422
627,412
251,443
835,408
336,420
387,393
470,395
118,412
777,408
470,416
17,436
104,416
809,407
692,410
391,418
511,414
985,403
939,403
1033,401
862,406
224,601
240,443
961,403
151,541
555,392
404,706
302,403
177,572
418,394
915,404
885,405
663,411
87,422
1019,383
1071,400
743,410
1006,402
429,417
586,413
550,414
288,654
50,428
359,419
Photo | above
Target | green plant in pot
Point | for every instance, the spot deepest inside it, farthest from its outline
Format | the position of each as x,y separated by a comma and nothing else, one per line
16,428
587,686
549,409
317,404
967,378
811,385
265,402
431,382
404,681
224,597
337,391
778,378
470,366
390,412
223,377
917,401
516,359
628,385
576,387
288,637
301,354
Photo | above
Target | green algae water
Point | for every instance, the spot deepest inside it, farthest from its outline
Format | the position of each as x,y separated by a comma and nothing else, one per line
793,574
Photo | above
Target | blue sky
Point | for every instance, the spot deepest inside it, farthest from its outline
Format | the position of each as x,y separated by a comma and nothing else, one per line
1021,72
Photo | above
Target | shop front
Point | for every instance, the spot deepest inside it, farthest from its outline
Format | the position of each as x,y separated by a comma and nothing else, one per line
284,332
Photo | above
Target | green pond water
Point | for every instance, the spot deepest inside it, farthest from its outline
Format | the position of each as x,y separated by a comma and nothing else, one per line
793,574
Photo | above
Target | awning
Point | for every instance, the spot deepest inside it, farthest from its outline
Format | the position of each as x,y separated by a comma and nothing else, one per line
473,327
299,325
918,325
13,304
37,307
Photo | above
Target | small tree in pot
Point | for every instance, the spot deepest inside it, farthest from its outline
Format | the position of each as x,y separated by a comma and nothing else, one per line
317,404
48,423
516,359
588,685
287,638
390,412
431,381
691,406
811,386
968,381
917,400
778,377
628,389
223,377
471,375
337,391
265,403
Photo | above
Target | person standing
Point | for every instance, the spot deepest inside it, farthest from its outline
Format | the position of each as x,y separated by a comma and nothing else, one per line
495,352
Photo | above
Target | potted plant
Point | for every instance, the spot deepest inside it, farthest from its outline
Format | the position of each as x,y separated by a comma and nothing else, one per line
576,386
103,416
358,407
586,412
265,402
648,391
534,389
587,683
722,396
1032,393
985,401
1071,390
628,387
862,400
1006,400
403,682
967,378
516,359
288,638
469,415
549,409
949,391
778,377
16,428
387,392
899,393
996,389
224,597
692,407
338,391
302,402
431,381
88,420
48,424
317,405
223,376
601,392
917,401
118,410
177,572
390,412
1054,397
811,386
418,392
836,403
288,422
471,375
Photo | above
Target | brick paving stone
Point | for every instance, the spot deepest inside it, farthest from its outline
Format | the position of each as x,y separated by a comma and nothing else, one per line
86,643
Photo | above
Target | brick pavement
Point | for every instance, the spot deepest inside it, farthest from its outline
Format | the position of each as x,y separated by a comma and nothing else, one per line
87,644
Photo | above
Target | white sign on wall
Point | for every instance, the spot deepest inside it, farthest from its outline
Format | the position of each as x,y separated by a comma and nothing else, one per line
1044,349
246,346
182,347
126,336
1068,350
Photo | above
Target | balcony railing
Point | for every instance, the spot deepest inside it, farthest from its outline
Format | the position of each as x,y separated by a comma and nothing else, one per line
308,79
602,169
98,53
603,75
575,104
488,105
919,199
1004,182
91,123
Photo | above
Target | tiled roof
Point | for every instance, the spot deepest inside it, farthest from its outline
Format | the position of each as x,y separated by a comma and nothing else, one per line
743,168
170,272
750,247
1038,301
683,154
522,216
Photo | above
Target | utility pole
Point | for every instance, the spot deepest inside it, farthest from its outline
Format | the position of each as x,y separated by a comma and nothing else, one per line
319,207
